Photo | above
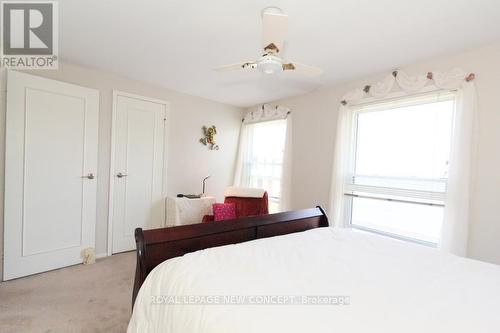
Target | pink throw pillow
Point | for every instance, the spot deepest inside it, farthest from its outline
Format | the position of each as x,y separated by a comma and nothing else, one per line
224,211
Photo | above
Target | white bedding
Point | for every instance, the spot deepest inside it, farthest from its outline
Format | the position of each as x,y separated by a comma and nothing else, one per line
392,287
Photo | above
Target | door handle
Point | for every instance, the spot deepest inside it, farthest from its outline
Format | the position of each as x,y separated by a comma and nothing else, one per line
120,175
89,176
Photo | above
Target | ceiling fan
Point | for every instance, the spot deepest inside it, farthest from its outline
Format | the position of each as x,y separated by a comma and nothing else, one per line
274,29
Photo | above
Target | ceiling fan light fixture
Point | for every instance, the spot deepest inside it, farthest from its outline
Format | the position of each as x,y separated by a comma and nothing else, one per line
270,65
272,10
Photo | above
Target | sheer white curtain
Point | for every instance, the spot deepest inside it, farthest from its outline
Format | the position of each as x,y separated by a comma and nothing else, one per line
241,171
457,214
461,166
251,127
286,179
341,165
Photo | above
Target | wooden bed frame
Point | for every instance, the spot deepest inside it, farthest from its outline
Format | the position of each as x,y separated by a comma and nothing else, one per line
157,245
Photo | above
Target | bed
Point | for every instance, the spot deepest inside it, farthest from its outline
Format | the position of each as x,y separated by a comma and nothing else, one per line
308,278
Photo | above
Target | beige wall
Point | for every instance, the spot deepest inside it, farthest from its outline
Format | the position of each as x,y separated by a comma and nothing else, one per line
314,123
188,160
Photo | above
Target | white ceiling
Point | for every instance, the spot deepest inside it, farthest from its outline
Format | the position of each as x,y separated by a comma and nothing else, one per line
176,43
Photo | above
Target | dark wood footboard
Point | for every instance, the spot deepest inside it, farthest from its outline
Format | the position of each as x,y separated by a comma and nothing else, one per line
157,245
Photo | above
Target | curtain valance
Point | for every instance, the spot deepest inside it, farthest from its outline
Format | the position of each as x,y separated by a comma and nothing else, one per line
454,79
266,112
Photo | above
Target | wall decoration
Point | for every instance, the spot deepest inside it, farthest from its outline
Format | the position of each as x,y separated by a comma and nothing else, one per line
209,137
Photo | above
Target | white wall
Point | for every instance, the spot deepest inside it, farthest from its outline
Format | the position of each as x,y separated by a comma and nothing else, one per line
188,160
314,125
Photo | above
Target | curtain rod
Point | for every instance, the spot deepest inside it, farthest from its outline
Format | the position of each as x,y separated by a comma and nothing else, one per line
430,76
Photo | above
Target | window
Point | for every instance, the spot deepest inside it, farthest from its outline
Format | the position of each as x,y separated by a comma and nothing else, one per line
399,166
263,159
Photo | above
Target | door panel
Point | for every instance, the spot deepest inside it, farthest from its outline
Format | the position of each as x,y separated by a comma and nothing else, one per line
54,141
51,142
138,199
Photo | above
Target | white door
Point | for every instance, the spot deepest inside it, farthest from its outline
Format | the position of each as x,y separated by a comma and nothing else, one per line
50,170
138,172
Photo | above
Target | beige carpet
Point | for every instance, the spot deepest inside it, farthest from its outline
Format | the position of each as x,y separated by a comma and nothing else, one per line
92,298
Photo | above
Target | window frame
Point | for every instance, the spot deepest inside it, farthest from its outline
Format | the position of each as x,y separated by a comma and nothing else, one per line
376,105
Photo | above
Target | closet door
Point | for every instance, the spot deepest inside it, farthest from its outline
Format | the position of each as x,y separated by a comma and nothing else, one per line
50,174
138,171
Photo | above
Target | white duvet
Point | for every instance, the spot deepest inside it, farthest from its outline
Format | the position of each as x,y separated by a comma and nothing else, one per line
390,286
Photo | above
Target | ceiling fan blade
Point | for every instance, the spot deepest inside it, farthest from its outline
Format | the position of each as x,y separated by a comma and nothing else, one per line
274,30
232,67
303,69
